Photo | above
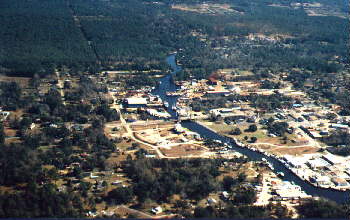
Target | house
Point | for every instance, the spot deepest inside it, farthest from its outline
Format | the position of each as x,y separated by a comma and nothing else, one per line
157,210
107,213
53,126
92,176
117,182
212,201
225,195
32,126
91,214
212,81
77,127
150,155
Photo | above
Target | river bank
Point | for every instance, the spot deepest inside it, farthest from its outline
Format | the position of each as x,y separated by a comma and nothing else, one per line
284,160
167,85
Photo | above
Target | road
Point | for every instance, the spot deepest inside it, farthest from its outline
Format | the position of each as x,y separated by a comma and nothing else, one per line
135,212
60,86
264,195
130,133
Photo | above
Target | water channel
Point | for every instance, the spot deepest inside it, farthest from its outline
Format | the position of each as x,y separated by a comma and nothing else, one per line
166,84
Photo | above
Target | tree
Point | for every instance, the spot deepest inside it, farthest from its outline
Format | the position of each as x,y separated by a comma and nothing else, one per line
228,182
200,212
322,209
236,131
253,139
245,195
278,210
252,128
278,128
242,177
98,124
2,134
120,195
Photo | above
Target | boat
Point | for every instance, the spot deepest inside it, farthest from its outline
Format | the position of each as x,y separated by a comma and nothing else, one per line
166,104
173,94
270,166
264,159
173,108
280,174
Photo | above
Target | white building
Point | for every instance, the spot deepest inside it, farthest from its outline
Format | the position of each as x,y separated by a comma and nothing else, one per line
157,210
136,101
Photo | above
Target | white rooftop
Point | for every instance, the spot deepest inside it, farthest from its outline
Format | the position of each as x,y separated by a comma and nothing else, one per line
136,101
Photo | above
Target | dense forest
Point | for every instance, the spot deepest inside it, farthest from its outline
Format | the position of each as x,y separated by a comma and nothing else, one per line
117,34
37,35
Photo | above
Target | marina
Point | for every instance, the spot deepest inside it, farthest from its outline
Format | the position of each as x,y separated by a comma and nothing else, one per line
278,164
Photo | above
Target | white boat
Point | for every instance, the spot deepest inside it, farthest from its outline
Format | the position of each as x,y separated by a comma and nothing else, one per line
173,94
270,166
166,104
281,174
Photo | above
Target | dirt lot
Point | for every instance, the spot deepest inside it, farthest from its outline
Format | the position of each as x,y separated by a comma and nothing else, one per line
23,82
206,8
184,150
296,150
152,125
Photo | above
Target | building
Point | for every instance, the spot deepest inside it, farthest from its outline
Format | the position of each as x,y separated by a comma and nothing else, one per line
296,162
286,191
333,160
340,182
117,182
178,128
318,163
4,115
321,180
136,101
339,126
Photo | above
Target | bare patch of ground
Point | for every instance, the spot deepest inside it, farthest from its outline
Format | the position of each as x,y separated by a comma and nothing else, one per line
23,82
184,150
207,8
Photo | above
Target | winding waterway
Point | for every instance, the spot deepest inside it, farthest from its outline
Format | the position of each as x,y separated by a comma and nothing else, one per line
167,85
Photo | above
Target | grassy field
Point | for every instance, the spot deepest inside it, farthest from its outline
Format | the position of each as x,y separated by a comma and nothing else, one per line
261,134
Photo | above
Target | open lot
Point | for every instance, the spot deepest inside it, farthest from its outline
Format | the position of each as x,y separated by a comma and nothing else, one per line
183,150
293,145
